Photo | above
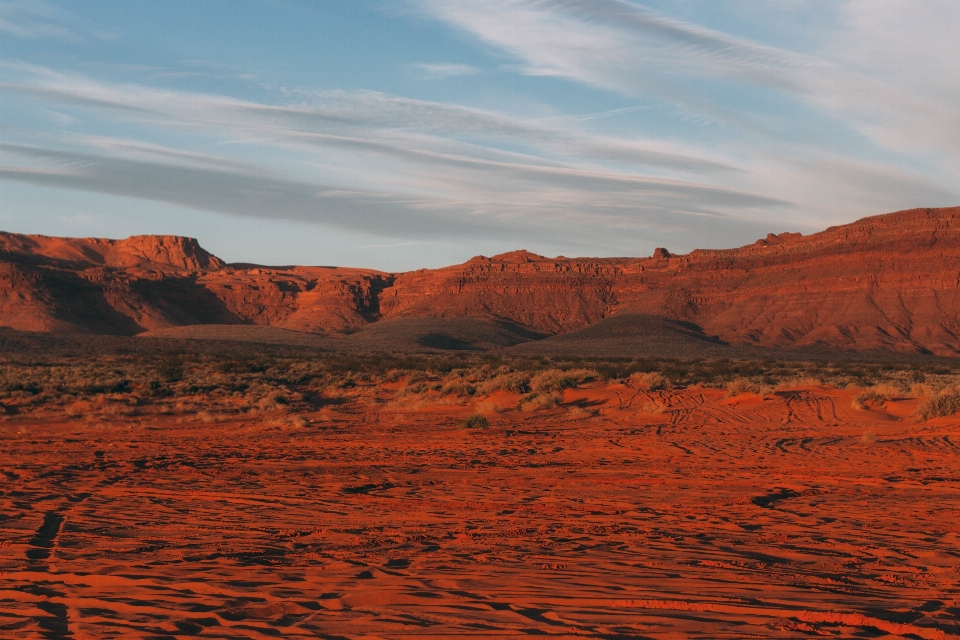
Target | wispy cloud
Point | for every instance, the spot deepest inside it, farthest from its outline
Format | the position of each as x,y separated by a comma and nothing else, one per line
419,170
446,70
34,19
627,48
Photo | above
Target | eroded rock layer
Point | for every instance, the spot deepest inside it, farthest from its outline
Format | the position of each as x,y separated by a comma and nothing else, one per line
886,282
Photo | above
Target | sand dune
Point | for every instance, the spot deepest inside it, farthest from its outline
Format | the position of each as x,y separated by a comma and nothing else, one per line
622,513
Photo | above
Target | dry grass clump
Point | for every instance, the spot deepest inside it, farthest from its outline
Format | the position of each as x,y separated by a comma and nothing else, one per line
886,389
876,396
512,381
577,411
540,400
299,421
945,403
489,407
921,390
870,400
558,379
272,400
458,387
653,380
796,383
476,421
738,386
393,375
654,408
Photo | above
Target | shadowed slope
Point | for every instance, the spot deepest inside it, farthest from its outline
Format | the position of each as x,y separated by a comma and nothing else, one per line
445,334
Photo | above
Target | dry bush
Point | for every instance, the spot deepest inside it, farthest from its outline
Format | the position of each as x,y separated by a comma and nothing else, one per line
299,421
886,389
540,400
417,376
513,382
393,375
489,407
945,403
869,400
738,386
654,407
577,411
653,381
921,390
476,421
796,383
458,387
272,400
558,379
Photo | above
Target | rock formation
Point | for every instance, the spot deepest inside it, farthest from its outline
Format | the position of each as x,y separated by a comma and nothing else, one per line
886,282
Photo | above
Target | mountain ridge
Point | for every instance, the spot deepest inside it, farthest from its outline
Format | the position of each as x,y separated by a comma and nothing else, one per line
888,282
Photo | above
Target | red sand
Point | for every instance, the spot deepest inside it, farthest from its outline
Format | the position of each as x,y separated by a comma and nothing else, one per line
716,518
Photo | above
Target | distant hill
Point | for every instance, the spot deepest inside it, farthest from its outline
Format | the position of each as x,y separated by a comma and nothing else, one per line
887,283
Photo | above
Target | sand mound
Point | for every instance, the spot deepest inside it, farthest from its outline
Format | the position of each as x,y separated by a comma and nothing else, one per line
443,334
238,333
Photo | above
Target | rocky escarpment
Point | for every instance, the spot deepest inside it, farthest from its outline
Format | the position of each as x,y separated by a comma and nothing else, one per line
886,282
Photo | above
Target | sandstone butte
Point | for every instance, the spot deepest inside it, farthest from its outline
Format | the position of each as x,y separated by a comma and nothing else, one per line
887,282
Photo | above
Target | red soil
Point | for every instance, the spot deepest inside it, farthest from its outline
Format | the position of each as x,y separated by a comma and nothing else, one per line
622,513
887,282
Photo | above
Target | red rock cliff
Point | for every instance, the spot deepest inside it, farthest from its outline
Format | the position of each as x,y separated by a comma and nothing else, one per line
888,282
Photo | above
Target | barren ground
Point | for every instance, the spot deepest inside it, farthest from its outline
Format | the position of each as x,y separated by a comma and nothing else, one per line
712,517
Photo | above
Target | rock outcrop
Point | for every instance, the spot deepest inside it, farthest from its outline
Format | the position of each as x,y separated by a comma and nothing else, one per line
887,282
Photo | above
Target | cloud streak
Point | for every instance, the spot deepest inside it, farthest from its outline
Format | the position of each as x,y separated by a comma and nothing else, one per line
624,47
843,139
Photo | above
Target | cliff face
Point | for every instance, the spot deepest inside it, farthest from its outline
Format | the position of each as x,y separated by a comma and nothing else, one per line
888,282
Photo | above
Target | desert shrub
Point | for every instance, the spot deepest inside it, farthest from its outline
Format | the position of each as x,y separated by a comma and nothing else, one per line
299,421
869,399
558,379
515,382
653,407
886,389
653,380
921,390
945,403
415,388
476,421
741,385
393,375
417,376
272,400
577,411
794,383
540,400
458,387
489,407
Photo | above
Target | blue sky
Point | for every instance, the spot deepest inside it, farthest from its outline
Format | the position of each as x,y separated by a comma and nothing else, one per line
418,133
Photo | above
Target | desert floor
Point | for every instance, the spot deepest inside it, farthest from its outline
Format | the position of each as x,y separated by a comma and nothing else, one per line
621,513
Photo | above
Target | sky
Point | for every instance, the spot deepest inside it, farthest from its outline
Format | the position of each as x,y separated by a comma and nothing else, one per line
405,134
